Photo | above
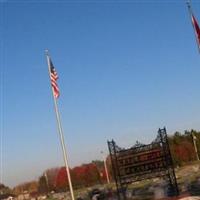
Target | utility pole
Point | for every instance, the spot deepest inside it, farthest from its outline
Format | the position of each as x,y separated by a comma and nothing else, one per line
47,181
194,138
106,169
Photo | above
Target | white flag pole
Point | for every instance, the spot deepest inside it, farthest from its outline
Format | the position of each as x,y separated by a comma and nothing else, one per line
60,132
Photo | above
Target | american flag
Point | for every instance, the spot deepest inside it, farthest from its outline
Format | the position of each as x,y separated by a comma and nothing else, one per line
54,77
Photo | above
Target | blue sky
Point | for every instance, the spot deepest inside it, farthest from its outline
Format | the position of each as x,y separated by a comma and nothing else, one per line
126,68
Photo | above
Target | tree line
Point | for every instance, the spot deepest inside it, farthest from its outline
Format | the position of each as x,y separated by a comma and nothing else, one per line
182,147
55,179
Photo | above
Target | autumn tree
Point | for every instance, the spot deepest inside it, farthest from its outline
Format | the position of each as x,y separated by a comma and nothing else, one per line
51,175
78,176
61,180
91,174
182,148
30,187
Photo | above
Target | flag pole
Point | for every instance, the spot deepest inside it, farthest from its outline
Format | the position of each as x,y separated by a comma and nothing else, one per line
191,15
60,130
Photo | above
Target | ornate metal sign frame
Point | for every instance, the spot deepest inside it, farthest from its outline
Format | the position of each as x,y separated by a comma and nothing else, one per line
143,162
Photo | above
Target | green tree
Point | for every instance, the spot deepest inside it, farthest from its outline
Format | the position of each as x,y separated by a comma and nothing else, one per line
42,185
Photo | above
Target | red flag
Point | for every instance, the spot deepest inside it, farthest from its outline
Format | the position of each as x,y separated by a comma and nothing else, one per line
197,29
